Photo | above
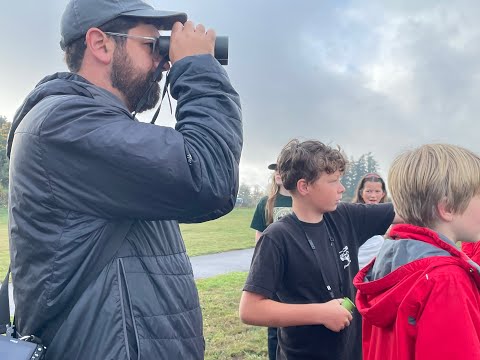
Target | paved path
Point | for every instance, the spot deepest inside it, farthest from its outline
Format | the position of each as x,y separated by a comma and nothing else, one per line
216,264
204,266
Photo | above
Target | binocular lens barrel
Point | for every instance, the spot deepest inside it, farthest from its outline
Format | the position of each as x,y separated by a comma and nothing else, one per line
220,51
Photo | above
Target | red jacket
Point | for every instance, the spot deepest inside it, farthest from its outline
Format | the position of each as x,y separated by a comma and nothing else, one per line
420,299
472,250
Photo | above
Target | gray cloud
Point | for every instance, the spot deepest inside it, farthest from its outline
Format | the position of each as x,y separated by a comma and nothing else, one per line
369,75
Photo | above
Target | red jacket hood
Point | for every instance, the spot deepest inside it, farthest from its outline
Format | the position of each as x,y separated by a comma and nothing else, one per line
384,283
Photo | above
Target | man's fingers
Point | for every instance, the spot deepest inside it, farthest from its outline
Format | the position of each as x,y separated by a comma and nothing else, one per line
188,40
189,26
178,26
211,34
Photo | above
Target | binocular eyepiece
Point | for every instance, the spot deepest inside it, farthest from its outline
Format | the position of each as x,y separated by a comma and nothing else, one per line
220,50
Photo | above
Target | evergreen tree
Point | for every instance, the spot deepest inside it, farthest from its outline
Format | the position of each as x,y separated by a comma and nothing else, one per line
365,164
244,197
256,194
249,195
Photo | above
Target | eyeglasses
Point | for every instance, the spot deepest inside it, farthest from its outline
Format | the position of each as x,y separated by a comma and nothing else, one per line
151,42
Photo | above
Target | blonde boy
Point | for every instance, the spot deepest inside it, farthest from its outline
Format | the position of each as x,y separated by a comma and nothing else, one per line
420,299
309,258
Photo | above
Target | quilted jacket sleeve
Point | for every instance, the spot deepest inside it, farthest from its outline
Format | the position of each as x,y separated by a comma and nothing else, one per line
99,161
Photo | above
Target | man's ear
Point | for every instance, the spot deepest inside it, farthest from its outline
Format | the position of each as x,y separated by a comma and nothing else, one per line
302,187
100,45
444,212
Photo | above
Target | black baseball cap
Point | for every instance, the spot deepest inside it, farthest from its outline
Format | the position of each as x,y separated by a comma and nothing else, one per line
81,15
272,166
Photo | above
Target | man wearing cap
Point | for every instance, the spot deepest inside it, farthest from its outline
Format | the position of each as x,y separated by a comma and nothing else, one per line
98,262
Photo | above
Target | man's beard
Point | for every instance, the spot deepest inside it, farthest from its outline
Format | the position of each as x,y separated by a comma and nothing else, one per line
132,84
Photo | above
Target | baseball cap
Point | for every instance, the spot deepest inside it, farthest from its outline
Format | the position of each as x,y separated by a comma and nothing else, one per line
81,15
272,166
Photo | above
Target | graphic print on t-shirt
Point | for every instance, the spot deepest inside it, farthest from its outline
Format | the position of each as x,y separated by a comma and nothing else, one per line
279,212
345,256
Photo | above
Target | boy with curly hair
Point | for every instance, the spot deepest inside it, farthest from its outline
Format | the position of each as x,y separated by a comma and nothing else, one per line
309,258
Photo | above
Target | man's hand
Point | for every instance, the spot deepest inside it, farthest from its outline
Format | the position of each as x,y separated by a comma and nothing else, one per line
334,316
187,40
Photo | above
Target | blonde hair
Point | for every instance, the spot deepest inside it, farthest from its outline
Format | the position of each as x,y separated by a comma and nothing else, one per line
272,196
422,178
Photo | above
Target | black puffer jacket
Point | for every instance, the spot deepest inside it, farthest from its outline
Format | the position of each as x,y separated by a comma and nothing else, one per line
80,166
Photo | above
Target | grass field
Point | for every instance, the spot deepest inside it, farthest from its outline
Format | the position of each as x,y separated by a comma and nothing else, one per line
4,255
231,232
226,337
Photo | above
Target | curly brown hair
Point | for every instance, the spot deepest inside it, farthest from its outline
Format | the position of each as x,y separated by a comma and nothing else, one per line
308,160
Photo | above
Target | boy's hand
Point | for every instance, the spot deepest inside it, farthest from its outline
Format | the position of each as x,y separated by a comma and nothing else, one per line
335,316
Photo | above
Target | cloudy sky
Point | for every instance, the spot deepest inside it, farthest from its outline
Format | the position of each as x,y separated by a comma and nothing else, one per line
370,75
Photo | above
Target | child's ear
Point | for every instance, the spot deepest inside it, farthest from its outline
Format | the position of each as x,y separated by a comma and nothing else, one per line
302,187
444,211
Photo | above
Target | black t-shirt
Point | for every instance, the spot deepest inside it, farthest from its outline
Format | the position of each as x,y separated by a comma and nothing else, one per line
327,254
284,263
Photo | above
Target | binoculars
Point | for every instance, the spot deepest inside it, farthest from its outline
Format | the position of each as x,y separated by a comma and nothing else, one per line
220,50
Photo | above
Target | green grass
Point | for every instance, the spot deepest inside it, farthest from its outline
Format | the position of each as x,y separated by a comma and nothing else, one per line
225,335
4,254
231,232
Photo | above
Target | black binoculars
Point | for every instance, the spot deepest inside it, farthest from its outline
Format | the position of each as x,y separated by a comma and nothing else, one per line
220,50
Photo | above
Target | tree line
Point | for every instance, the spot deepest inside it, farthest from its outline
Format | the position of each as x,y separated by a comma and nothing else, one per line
249,195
